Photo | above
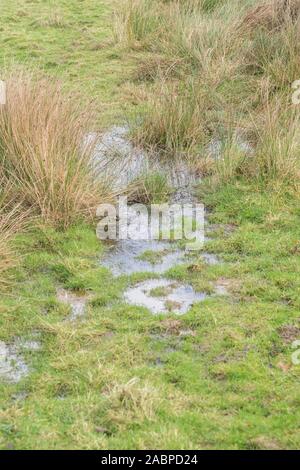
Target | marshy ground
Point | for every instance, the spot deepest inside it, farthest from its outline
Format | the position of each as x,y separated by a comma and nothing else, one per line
84,362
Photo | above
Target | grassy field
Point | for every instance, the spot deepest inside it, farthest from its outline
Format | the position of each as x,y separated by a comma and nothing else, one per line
125,379
71,40
220,377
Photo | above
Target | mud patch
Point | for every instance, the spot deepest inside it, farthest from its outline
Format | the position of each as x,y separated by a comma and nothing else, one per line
178,298
224,286
225,229
176,327
264,443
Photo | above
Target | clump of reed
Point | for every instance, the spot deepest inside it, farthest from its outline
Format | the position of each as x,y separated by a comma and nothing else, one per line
45,150
229,58
48,169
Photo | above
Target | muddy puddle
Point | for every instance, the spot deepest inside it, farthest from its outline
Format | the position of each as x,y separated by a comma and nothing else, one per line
145,255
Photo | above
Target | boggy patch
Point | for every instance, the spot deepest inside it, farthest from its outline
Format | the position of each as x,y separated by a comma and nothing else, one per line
13,367
176,298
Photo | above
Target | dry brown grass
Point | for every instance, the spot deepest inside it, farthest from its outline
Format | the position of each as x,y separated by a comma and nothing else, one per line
131,402
12,220
272,14
157,65
45,150
53,20
277,128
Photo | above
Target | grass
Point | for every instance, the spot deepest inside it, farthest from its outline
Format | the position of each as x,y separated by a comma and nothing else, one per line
10,222
42,131
153,257
96,383
71,41
151,188
222,376
233,66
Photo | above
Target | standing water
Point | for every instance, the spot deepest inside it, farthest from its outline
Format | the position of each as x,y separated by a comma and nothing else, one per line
150,256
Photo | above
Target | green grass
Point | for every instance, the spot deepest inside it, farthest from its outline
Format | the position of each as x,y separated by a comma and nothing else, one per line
71,40
121,378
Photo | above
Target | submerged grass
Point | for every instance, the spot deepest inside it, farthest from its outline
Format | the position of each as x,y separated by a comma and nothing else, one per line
220,377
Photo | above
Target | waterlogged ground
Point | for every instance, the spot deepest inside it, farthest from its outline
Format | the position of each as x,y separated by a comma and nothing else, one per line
163,296
85,363
197,354
143,253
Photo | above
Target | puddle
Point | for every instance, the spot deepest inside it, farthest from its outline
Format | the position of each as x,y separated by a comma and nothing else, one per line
12,365
32,344
216,146
163,296
76,302
130,162
128,256
210,259
20,396
125,256
116,155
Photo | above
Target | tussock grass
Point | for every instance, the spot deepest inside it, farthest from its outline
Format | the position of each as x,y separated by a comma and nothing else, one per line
278,147
151,188
132,402
45,150
12,220
174,119
272,14
230,59
137,23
